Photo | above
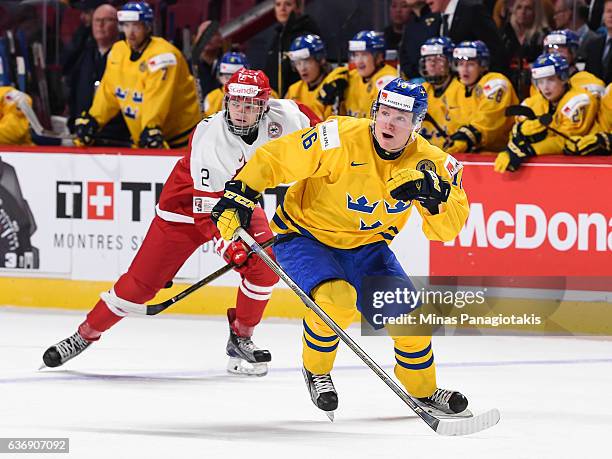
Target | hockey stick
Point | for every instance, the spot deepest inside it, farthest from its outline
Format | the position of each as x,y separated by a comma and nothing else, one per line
545,119
154,309
458,427
435,124
196,50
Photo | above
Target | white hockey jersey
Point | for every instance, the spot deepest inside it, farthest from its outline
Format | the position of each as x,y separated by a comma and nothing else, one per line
215,156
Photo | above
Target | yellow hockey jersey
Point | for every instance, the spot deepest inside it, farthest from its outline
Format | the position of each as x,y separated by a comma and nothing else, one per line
443,109
340,196
360,94
604,117
574,114
14,126
154,90
484,108
213,102
300,92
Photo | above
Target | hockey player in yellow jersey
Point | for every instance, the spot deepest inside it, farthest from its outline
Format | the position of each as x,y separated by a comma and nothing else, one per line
442,88
308,57
599,140
229,64
14,126
566,42
147,79
356,182
351,92
483,100
573,112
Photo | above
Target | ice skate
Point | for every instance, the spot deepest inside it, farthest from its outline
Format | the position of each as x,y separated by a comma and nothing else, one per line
65,350
245,358
322,392
445,403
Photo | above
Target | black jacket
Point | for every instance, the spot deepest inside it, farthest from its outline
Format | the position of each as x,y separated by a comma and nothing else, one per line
472,21
594,53
283,36
416,31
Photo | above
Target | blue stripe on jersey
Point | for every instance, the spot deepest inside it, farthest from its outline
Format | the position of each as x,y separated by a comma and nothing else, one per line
415,366
414,355
325,339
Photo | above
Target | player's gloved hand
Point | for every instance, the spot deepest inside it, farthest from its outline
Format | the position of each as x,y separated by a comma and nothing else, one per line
593,144
151,137
427,187
511,158
466,139
85,128
333,90
232,252
530,131
458,146
234,209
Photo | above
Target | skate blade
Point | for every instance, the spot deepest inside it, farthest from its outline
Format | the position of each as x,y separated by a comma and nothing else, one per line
238,366
330,415
42,367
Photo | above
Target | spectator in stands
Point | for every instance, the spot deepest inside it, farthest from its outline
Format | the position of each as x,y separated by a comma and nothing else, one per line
571,111
566,19
599,53
291,24
502,10
14,126
565,42
208,60
442,91
596,8
399,12
422,24
81,37
466,20
599,140
86,74
309,58
146,79
523,35
482,103
352,92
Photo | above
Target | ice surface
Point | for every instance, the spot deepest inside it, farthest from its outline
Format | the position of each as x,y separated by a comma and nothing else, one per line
156,387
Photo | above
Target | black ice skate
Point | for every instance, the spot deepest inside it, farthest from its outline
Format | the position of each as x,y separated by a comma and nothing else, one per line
245,358
446,404
322,392
65,350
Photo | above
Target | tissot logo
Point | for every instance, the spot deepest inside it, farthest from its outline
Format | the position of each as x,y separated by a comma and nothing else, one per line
101,197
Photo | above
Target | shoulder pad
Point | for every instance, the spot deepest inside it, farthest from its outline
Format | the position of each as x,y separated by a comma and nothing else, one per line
594,88
494,85
575,104
161,61
329,135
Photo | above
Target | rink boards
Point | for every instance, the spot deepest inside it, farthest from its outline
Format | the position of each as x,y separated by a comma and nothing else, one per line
92,207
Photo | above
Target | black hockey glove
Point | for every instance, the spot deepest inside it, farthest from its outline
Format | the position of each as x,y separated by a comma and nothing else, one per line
332,91
593,144
151,137
234,209
427,187
85,128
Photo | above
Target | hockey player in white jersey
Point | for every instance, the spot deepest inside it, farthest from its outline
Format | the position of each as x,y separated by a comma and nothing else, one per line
219,147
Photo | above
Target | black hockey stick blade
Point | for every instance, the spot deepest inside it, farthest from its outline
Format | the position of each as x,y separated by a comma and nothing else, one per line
520,110
154,309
